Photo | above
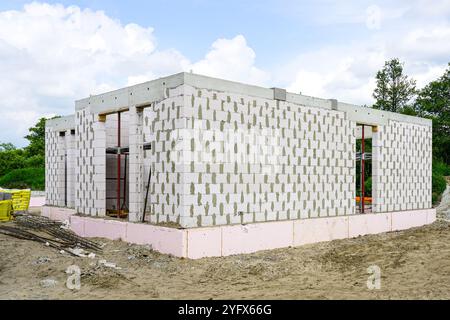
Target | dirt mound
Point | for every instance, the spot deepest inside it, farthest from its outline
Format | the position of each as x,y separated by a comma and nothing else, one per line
413,264
103,277
265,269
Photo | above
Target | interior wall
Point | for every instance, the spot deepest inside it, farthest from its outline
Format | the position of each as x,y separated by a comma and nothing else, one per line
90,184
111,125
60,154
54,167
71,152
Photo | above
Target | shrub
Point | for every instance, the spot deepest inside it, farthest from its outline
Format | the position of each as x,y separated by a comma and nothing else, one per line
10,160
37,161
28,178
440,170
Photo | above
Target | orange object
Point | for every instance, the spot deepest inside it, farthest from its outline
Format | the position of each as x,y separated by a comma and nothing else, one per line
366,199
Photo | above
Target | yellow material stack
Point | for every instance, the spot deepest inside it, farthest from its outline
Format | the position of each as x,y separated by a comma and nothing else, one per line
20,198
5,210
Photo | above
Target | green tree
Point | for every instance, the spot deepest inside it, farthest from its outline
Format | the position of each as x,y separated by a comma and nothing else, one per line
433,102
394,89
15,164
11,160
7,147
36,137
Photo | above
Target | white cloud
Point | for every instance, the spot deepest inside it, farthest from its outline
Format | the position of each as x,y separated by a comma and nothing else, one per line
231,59
420,38
430,42
438,9
51,55
424,73
347,72
342,72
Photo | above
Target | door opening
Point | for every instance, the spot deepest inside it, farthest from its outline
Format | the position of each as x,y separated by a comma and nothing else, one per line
364,168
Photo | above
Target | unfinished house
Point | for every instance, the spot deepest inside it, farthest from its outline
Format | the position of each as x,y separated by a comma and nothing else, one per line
197,166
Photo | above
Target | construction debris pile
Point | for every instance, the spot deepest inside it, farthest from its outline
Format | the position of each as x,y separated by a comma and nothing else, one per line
50,233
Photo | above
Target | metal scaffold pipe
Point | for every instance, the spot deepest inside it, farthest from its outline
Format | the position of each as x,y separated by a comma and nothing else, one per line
362,169
118,165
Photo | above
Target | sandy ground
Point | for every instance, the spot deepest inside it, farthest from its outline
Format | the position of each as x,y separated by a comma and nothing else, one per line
415,264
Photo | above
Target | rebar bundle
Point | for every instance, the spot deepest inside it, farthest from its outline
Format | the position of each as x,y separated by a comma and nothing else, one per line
29,227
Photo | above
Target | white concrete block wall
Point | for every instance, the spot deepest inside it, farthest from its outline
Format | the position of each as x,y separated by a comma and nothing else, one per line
51,167
307,170
136,164
312,174
90,191
222,158
60,170
401,165
59,149
160,121
71,152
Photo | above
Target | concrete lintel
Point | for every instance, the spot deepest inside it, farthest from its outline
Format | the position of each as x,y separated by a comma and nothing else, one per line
61,124
308,101
222,85
376,117
140,94
209,83
156,90
356,113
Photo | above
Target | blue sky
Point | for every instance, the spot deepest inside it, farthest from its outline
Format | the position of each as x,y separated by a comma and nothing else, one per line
286,26
57,51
